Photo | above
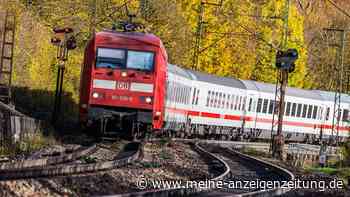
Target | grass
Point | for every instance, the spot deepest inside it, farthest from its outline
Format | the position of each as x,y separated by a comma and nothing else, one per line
254,152
88,159
325,170
151,164
29,144
342,173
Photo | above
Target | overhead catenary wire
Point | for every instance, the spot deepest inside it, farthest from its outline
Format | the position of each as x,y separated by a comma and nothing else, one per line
339,8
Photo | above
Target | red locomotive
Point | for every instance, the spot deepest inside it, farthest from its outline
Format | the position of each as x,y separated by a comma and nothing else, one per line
123,82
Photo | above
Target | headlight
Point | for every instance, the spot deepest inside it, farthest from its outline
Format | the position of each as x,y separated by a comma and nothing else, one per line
95,95
124,74
148,100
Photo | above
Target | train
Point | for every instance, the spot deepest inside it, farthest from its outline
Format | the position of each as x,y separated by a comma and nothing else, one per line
128,87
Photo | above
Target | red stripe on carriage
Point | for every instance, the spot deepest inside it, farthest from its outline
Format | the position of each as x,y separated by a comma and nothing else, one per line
210,115
260,120
232,117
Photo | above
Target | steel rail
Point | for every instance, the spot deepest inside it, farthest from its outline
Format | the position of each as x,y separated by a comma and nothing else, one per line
70,169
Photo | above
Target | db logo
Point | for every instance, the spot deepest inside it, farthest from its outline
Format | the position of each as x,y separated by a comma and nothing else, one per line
123,85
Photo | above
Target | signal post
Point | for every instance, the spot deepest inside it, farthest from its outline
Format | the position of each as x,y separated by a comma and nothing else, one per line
285,62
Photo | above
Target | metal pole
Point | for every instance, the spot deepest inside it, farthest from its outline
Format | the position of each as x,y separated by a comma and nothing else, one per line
62,57
278,140
93,9
199,31
339,69
54,114
198,36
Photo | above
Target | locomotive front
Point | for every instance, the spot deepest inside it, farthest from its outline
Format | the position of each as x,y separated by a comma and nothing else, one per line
122,83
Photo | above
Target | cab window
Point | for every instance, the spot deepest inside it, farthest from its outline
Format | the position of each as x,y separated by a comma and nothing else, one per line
124,59
110,58
140,60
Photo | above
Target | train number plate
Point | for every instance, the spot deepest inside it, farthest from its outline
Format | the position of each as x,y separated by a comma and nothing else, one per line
123,85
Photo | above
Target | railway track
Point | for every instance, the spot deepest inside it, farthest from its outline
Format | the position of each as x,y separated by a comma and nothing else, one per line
229,165
68,164
245,169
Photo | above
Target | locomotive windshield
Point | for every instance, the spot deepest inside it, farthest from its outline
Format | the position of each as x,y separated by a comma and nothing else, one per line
110,58
140,60
119,58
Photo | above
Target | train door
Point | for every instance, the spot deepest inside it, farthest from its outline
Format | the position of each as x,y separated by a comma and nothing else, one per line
250,117
193,106
171,100
322,118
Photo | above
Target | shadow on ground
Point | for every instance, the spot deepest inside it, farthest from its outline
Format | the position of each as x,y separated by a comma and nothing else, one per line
39,104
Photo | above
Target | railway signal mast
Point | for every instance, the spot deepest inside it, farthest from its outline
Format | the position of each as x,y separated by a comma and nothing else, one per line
64,41
199,30
285,63
339,75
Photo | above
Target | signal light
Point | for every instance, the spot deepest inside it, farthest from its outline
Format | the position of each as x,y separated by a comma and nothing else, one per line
55,41
71,43
63,30
286,59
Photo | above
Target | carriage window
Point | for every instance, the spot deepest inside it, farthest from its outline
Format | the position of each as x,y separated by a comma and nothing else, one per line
211,99
288,109
197,97
345,115
208,98
180,93
320,111
258,109
232,101
240,103
254,105
299,110
271,106
327,115
223,101
140,60
110,58
183,94
304,111
176,94
188,92
314,113
237,102
293,109
216,99
228,101
309,112
194,95
266,102
244,100
250,104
